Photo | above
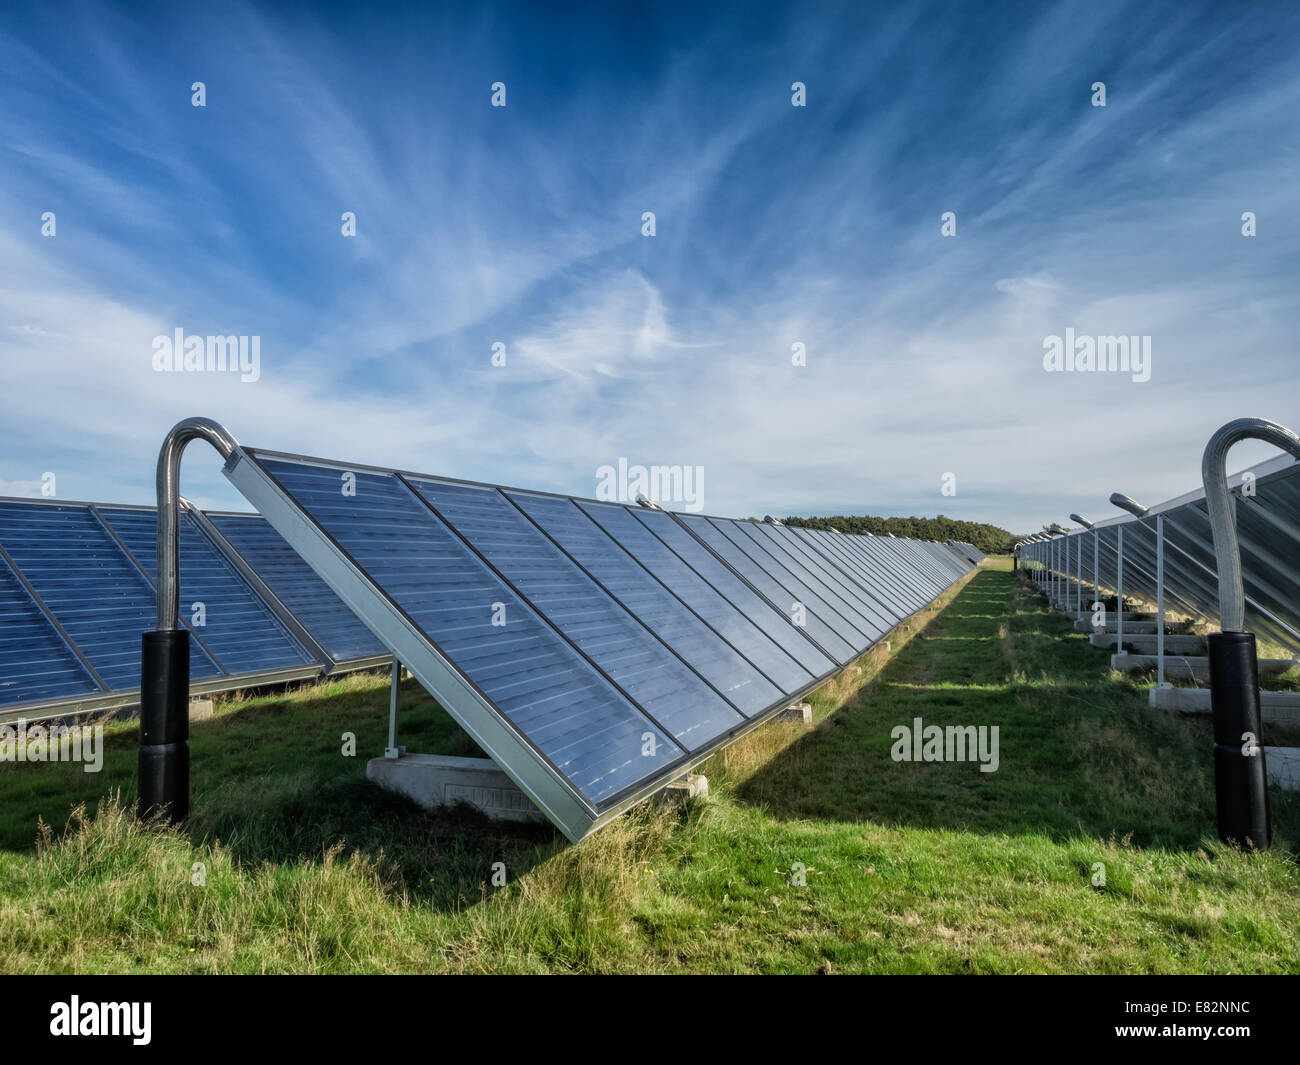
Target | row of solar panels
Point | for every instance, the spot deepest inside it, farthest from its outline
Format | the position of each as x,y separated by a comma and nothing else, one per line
1267,501
594,650
77,588
967,551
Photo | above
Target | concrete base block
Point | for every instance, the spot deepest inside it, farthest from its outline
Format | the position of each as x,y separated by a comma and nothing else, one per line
1283,765
436,781
1111,617
689,788
1276,708
799,712
1188,667
1174,645
201,709
1135,628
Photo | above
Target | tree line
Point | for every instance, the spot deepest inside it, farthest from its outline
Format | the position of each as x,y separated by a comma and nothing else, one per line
988,538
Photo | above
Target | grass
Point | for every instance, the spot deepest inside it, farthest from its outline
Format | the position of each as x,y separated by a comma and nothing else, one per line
907,867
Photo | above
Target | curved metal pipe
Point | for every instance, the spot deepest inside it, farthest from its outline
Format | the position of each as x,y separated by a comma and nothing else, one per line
1223,519
1130,504
1082,521
169,502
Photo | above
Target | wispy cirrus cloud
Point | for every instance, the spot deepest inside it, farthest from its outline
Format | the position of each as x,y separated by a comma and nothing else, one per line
776,226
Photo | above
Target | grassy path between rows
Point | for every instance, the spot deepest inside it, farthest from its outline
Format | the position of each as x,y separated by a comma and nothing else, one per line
817,851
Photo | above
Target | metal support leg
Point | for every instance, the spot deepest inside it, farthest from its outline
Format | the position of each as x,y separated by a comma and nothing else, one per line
1119,590
392,750
1078,577
1096,566
1160,601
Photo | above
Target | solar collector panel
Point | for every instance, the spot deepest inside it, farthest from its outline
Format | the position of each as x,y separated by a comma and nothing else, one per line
865,601
618,643
869,629
738,680
305,595
767,615
910,576
591,733
238,628
89,585
779,586
35,662
852,570
724,617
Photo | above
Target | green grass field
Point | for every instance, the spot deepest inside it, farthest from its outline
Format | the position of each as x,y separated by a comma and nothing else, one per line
908,867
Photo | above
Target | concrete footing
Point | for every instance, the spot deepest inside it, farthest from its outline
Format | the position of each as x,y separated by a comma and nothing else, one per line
436,781
689,788
798,712
1178,644
201,709
1111,616
1186,667
1283,765
1134,628
1277,708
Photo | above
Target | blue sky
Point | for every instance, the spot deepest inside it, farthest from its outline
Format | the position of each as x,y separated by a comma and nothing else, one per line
775,225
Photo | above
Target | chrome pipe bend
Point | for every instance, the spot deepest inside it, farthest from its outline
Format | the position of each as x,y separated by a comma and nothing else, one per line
1223,520
169,501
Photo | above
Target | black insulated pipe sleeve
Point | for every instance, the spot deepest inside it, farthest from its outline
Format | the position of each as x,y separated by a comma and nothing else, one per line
165,725
1240,779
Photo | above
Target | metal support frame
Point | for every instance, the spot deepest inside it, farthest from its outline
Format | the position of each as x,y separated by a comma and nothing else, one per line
392,750
1078,577
1096,567
1119,590
1160,602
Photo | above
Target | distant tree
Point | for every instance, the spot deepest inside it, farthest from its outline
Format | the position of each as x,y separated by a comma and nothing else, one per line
990,539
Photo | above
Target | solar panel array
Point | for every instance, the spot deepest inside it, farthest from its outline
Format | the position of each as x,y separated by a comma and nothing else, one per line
968,551
77,590
595,650
1267,501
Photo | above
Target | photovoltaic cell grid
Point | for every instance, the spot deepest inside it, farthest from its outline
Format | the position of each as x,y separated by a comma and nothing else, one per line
77,590
595,649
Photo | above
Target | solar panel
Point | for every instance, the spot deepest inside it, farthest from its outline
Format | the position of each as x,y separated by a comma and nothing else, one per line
779,587
1268,519
865,605
89,585
739,681
77,590
36,663
594,650
870,563
234,628
759,609
872,554
748,638
547,691
334,628
858,630
616,641
869,578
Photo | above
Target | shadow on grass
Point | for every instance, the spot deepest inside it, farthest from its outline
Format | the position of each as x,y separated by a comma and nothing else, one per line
271,783
1080,752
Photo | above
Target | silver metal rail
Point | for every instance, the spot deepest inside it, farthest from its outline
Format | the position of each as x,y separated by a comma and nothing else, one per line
169,505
